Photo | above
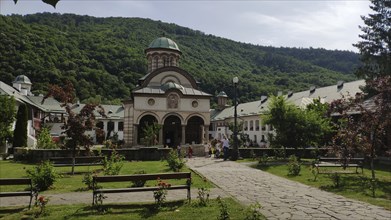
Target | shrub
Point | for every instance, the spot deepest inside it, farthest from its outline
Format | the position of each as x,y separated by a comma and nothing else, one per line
43,175
336,178
41,203
174,162
252,212
160,194
313,169
279,153
139,183
263,160
224,214
203,195
293,166
114,164
88,180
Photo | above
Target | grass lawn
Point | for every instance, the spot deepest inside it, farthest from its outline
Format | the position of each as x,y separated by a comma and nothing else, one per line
355,186
172,210
73,183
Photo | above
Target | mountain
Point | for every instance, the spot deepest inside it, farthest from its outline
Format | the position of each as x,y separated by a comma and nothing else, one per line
104,57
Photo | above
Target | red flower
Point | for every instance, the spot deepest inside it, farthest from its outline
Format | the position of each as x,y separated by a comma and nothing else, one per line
41,199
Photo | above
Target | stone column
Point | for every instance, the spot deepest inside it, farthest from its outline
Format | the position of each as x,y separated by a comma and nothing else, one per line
161,136
135,134
202,133
128,123
115,126
105,129
206,127
183,134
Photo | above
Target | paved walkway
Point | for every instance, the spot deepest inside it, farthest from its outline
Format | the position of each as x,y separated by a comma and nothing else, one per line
281,198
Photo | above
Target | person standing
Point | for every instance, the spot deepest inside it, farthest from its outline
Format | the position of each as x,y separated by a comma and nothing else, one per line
190,152
207,149
225,144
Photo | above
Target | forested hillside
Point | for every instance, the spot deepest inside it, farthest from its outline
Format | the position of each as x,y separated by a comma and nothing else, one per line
104,57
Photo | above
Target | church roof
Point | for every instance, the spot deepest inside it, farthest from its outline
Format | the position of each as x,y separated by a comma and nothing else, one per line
111,111
300,99
160,90
243,109
165,43
22,79
50,104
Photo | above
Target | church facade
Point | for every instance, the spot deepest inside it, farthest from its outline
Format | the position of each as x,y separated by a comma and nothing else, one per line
168,96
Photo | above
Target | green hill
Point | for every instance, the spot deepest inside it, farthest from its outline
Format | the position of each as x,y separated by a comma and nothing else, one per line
104,57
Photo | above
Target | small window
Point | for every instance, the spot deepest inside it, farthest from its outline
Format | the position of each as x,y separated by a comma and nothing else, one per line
120,126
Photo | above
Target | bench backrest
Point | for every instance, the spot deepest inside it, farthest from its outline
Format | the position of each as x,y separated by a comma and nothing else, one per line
342,160
77,159
15,181
123,178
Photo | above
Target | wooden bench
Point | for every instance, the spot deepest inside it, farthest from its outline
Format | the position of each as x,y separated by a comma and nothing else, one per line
18,181
138,177
332,162
79,161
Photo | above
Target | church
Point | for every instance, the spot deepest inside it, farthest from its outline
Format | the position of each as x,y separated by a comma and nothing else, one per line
168,96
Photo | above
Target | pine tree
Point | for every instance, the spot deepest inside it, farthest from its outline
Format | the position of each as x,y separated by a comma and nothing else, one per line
375,47
20,132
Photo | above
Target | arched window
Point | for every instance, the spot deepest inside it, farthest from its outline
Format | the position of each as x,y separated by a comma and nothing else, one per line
149,63
164,61
156,62
172,61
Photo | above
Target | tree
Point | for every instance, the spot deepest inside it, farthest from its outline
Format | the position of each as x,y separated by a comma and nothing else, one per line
77,124
364,124
7,117
20,132
45,140
375,48
295,127
151,132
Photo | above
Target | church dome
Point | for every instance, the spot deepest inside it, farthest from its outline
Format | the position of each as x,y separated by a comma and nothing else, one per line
171,85
163,43
22,79
222,94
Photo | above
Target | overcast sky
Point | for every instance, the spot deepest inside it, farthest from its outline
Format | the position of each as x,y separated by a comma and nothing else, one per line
288,23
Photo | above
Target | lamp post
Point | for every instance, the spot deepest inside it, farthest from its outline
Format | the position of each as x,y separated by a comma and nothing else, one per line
235,150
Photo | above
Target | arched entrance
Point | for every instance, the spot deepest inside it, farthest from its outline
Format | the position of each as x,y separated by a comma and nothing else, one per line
144,122
172,131
194,130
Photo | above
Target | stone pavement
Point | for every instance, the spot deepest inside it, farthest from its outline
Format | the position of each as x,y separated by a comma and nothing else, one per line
86,197
281,198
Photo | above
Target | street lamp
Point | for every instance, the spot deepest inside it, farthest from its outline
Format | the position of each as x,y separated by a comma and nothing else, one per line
235,150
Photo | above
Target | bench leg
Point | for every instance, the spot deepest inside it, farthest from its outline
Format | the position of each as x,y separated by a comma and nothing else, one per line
93,199
31,199
189,195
